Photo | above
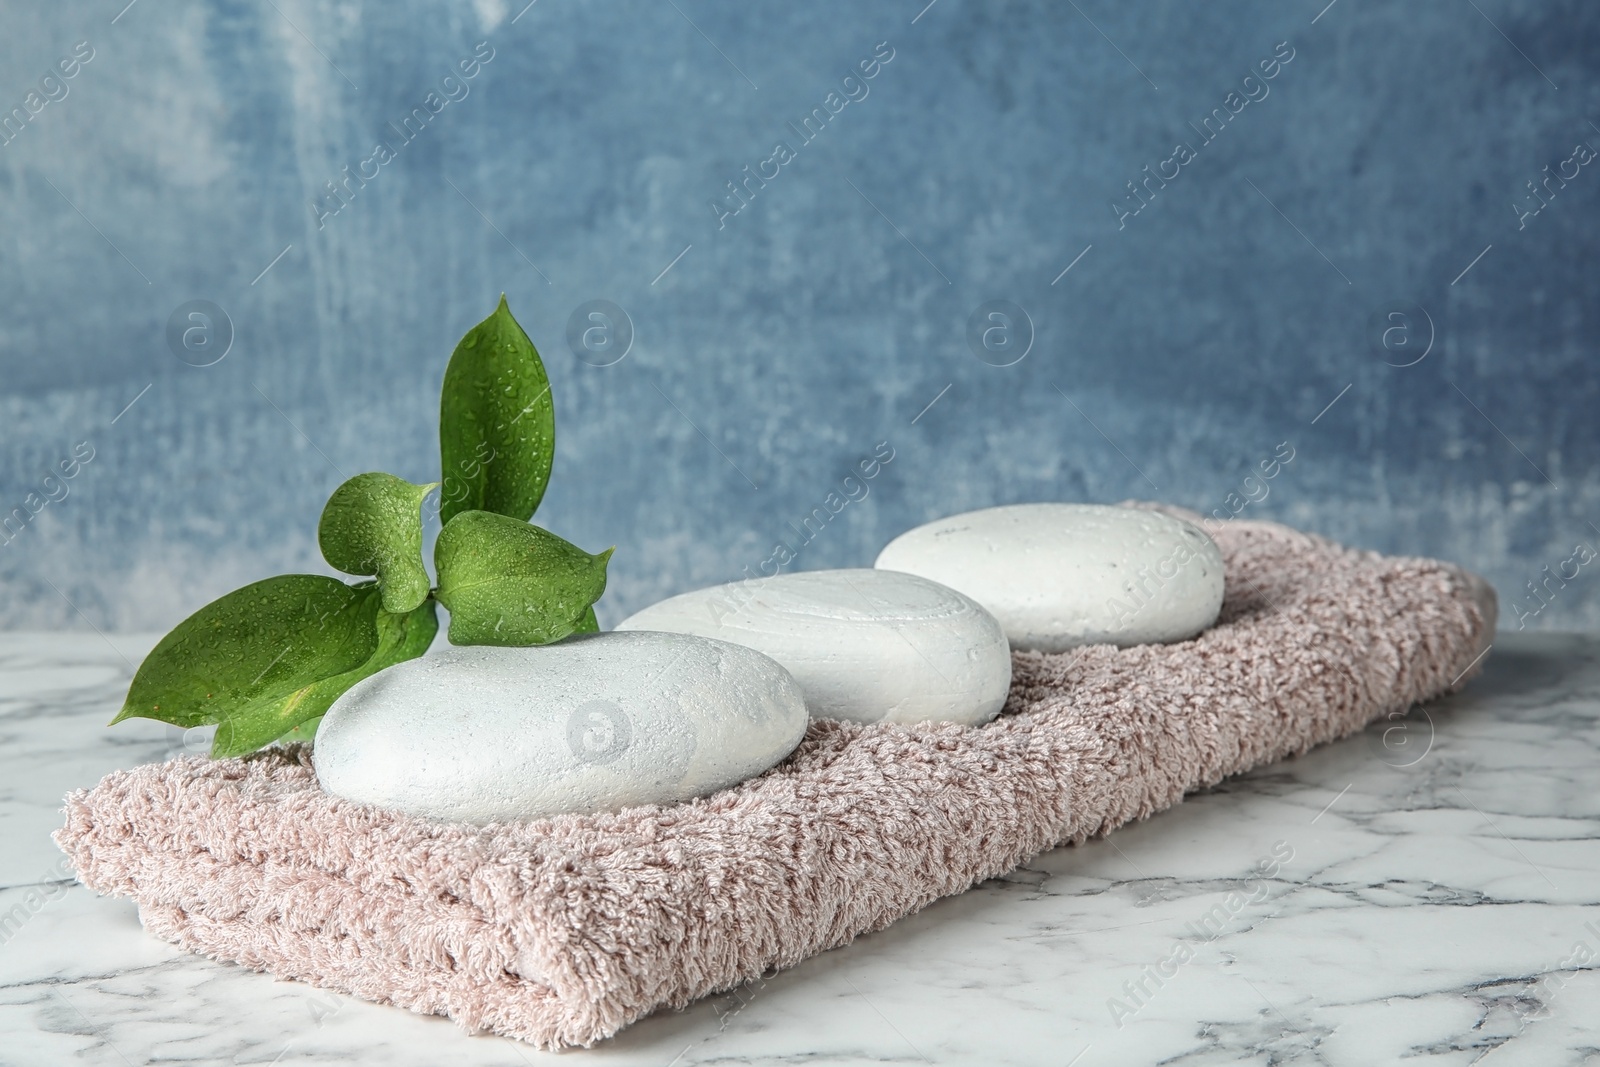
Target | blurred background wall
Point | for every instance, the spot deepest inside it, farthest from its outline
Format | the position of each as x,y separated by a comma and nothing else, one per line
1360,259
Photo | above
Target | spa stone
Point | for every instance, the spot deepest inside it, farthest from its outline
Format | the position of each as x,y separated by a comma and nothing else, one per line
1058,576
595,723
867,645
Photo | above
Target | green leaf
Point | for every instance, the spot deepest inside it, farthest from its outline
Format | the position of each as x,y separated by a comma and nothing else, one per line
255,645
588,624
294,717
306,731
508,583
497,423
372,524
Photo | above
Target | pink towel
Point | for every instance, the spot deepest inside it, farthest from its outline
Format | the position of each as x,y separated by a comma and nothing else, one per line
561,932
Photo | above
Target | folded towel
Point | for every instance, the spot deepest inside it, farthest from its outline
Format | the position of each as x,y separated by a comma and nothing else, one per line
562,931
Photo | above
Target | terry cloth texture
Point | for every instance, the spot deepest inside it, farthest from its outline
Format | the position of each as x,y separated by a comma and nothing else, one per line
562,931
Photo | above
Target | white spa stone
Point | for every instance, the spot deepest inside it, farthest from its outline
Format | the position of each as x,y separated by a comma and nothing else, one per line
595,723
868,645
1062,575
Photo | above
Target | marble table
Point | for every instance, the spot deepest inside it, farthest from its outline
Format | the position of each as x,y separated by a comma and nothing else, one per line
1433,896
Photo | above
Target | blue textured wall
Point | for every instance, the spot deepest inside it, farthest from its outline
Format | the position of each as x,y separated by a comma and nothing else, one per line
1383,168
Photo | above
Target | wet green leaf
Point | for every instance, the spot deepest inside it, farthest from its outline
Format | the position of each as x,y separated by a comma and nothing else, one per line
508,583
294,717
256,644
497,428
372,524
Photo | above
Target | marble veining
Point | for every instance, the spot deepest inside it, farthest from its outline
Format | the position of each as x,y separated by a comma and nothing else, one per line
1424,892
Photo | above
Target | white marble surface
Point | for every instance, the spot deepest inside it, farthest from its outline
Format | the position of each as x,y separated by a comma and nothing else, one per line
1429,915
